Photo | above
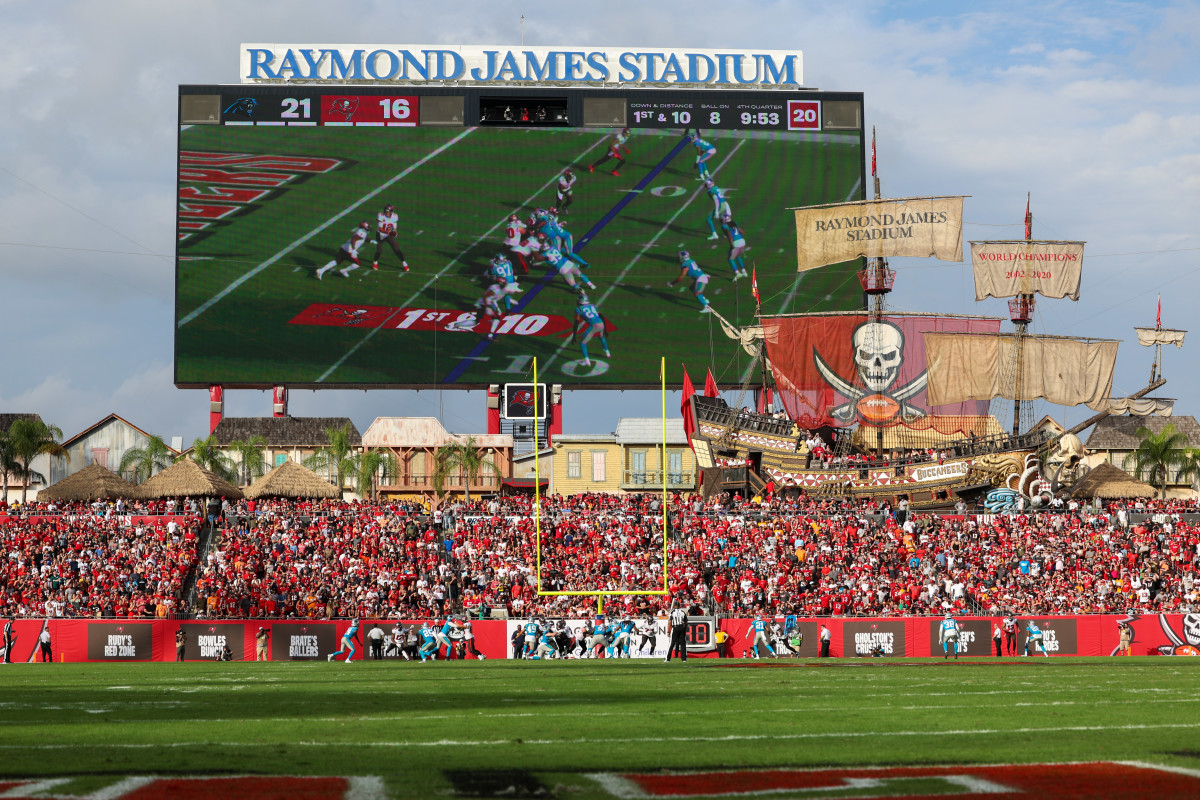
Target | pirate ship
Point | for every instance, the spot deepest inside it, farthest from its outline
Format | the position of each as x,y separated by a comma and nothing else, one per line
903,406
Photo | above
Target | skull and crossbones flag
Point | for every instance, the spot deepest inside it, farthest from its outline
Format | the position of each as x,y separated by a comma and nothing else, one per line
844,369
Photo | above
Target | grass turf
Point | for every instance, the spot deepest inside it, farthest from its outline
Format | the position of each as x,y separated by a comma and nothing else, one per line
415,724
452,203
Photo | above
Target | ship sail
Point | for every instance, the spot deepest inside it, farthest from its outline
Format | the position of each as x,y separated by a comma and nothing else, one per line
1060,369
1012,268
1139,406
1148,337
916,226
838,369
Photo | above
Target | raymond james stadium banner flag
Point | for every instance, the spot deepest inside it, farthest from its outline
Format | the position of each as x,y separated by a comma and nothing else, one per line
922,227
1007,269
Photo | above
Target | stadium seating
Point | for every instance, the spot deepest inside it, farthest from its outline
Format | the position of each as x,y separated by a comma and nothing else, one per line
325,559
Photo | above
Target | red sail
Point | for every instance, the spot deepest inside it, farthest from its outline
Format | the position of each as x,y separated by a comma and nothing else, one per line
843,369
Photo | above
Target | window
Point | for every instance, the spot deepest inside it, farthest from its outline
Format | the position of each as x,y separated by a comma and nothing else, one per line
598,466
637,465
280,458
574,468
675,466
100,456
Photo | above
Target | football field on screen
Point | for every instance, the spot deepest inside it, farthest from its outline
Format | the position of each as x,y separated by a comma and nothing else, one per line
250,308
587,729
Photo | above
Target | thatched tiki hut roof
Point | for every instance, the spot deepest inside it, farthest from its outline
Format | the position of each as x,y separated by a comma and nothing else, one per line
93,482
186,478
1108,481
290,479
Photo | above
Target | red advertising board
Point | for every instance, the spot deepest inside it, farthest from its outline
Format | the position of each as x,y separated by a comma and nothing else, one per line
290,640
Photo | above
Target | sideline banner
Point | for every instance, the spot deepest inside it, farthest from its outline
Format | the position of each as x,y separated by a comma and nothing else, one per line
138,640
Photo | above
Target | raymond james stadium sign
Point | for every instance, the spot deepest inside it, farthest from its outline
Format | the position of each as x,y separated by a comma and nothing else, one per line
484,64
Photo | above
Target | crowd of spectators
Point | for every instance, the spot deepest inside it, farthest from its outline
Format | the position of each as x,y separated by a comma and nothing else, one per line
94,565
777,554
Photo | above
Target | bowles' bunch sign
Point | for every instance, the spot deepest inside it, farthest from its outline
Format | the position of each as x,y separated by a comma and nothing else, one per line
484,64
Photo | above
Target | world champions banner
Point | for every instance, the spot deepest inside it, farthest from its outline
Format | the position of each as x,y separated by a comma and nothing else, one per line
1007,269
923,227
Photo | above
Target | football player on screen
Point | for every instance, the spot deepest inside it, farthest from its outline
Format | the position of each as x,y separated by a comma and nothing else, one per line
588,320
688,268
566,186
614,151
387,223
567,268
514,239
501,267
737,247
720,210
348,252
558,235
490,303
704,153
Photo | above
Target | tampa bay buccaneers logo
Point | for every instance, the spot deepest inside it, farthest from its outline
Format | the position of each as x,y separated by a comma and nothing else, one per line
350,317
1182,643
523,397
343,107
878,354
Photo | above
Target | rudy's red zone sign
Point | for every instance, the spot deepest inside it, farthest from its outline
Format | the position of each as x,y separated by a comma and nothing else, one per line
427,319
1072,781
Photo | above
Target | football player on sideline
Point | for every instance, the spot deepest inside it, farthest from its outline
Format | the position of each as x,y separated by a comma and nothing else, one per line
948,634
688,268
586,314
348,252
387,223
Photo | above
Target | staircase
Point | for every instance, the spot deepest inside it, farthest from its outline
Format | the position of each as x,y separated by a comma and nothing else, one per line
207,534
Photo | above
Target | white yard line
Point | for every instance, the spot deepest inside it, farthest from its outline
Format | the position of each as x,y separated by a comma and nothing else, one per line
221,295
417,294
645,248
622,740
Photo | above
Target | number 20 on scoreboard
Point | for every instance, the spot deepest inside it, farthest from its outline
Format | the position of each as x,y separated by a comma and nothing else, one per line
804,115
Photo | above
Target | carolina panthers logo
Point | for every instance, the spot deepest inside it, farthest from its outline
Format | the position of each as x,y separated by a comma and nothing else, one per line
345,106
243,105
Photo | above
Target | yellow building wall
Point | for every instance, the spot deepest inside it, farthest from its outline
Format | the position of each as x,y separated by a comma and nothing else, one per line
585,482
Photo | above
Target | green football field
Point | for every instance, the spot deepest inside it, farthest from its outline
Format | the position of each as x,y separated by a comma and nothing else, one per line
244,280
572,729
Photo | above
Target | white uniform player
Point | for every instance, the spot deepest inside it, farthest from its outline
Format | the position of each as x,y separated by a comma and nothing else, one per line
949,635
514,239
348,252
566,185
387,228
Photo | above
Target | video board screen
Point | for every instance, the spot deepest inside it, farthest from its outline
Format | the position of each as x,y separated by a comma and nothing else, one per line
349,236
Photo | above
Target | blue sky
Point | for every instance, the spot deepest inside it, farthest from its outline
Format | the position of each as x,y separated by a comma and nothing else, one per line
1092,107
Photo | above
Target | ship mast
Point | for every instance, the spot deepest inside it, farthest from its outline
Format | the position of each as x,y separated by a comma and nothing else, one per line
877,281
1020,311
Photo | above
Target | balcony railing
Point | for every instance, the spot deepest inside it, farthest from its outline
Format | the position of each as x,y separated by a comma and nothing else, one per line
452,482
649,479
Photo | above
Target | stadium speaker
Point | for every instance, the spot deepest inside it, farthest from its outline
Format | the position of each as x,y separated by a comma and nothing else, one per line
442,110
604,112
200,109
493,402
556,393
840,115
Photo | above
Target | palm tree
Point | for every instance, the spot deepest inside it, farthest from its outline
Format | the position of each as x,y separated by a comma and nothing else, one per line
8,462
1156,455
337,458
253,462
207,453
30,438
1189,467
370,466
146,461
463,457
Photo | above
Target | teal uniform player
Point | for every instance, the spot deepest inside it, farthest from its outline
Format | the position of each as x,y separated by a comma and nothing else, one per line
688,268
348,640
721,208
704,152
1034,637
587,314
737,247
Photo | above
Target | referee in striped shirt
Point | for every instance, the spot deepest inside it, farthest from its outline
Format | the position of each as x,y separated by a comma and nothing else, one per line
679,618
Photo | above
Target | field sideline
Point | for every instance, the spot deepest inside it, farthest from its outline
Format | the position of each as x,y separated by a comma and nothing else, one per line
433,729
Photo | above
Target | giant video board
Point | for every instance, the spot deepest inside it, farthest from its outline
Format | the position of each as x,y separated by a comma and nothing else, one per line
279,186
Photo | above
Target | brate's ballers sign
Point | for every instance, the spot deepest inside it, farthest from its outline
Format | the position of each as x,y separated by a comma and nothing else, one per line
302,642
122,641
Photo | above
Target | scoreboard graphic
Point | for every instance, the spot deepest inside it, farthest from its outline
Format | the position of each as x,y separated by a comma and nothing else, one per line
435,236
